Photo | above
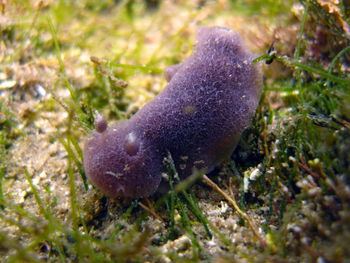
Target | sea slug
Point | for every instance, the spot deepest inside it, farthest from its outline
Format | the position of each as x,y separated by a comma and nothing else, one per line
198,118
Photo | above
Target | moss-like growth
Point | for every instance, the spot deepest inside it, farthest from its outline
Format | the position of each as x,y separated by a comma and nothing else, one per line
290,172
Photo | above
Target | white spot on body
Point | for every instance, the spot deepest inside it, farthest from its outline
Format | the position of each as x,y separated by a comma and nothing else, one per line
116,175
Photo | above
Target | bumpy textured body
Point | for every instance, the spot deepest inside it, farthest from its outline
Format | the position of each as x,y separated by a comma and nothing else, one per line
199,117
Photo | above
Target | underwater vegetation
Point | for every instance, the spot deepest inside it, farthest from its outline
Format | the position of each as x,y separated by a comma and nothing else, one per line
282,196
